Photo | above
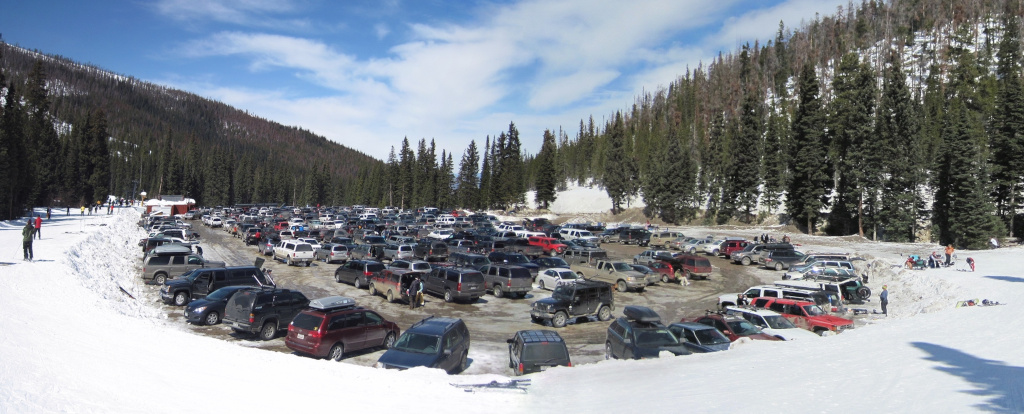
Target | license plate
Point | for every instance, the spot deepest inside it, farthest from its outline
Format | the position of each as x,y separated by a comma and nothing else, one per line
300,336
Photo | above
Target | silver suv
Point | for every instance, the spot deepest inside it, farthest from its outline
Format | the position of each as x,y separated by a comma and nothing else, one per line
170,261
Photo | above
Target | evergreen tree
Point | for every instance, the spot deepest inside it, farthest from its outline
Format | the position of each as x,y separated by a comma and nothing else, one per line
775,160
1008,123
42,139
468,181
618,168
406,172
484,195
743,178
850,127
99,180
896,145
546,171
810,182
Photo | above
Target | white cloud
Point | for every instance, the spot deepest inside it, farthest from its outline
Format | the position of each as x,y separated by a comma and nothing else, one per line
382,30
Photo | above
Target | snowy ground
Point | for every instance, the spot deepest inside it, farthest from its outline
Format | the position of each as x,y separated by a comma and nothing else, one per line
73,342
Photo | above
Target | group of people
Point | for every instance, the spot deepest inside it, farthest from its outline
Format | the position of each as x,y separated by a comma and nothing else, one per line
415,293
767,238
32,229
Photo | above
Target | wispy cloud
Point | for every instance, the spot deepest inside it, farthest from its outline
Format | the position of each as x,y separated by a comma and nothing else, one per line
247,13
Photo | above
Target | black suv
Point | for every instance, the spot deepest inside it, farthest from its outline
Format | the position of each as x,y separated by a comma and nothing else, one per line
198,283
517,259
583,298
640,237
640,334
535,350
263,311
470,260
434,343
455,283
357,272
507,280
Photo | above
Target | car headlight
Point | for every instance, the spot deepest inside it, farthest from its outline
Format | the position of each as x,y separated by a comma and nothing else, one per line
199,309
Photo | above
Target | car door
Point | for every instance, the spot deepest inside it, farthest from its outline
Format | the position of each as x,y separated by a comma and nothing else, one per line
373,329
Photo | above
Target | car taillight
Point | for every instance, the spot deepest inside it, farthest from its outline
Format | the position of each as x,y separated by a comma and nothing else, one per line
509,283
252,318
459,287
313,334
367,273
570,365
520,367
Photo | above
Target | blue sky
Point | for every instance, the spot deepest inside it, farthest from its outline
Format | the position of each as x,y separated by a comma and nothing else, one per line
368,73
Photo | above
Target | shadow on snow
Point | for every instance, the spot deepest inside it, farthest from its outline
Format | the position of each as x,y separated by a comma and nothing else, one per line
1002,384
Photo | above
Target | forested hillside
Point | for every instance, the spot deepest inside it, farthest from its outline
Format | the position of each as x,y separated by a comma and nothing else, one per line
895,120
71,134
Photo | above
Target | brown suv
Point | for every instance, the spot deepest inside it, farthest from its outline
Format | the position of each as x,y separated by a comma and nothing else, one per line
334,326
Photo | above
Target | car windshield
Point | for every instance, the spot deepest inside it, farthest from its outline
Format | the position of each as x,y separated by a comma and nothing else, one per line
710,337
222,294
418,343
567,275
516,258
562,292
621,267
556,262
813,310
743,328
654,337
778,322
642,269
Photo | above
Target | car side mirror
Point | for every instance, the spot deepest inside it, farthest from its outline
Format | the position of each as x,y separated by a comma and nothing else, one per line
627,341
509,341
448,352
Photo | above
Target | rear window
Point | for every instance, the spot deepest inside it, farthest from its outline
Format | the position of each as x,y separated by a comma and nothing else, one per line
303,248
243,299
520,273
374,267
702,263
473,277
545,351
307,321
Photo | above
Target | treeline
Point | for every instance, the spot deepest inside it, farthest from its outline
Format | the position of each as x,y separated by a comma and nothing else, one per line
896,121
55,112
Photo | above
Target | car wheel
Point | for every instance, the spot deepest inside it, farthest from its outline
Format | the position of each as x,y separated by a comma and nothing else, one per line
559,320
391,295
693,250
714,252
309,263
337,277
356,283
181,298
635,262
608,351
268,331
864,292
778,267
448,298
498,293
604,314
746,261
389,340
540,284
465,361
212,318
337,352
288,261
160,278
372,289
621,286
664,278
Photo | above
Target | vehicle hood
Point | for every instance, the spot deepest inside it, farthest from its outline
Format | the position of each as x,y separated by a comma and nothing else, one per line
403,360
707,348
546,302
654,352
759,337
195,304
834,320
791,334
176,283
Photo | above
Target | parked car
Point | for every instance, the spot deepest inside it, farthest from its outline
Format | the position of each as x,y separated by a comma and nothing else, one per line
779,259
639,237
693,245
733,327
752,253
536,350
294,252
266,245
432,342
507,280
330,253
806,315
170,261
334,326
431,250
691,266
393,283
662,238
700,338
772,323
550,245
210,309
550,278
575,300
398,251
263,311
517,259
455,283
417,265
524,247
639,334
198,283
549,262
648,256
357,272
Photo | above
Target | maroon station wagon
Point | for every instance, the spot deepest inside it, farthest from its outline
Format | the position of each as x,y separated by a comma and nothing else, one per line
334,326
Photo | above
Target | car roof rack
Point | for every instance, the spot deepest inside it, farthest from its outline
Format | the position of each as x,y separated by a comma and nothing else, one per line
641,314
332,303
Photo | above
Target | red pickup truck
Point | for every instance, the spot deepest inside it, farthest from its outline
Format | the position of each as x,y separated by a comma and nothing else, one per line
805,315
550,245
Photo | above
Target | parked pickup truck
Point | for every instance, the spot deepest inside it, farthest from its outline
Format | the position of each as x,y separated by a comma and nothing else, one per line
805,315
524,247
620,274
550,245
294,252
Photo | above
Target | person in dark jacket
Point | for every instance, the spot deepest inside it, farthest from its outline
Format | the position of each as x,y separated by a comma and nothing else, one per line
26,239
884,299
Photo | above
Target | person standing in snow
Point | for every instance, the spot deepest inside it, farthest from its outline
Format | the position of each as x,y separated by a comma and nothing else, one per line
949,255
39,227
26,239
884,299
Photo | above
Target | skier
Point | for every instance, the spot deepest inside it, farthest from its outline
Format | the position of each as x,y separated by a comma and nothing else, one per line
26,239
39,227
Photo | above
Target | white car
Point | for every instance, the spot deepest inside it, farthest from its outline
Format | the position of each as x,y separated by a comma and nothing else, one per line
693,245
216,222
713,248
551,278
441,234
772,323
311,241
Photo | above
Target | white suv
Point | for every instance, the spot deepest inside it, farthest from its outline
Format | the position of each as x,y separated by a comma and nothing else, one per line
772,323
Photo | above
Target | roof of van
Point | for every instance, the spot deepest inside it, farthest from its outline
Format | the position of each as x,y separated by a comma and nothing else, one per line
170,249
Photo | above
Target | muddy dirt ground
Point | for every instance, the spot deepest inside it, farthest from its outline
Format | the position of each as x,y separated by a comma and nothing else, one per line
491,320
